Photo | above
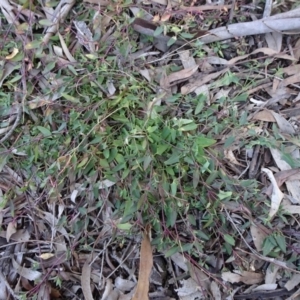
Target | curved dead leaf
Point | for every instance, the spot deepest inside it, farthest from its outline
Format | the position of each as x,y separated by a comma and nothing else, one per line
277,195
11,229
13,54
215,290
180,75
245,277
146,263
26,272
264,115
86,281
258,236
44,292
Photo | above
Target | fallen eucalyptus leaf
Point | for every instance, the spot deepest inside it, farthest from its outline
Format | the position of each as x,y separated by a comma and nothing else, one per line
146,263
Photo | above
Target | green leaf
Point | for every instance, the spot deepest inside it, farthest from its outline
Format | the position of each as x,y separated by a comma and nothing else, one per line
196,177
82,163
192,219
280,239
229,239
243,118
241,97
15,79
199,107
187,247
187,35
70,98
158,31
45,22
46,132
205,167
161,149
203,141
172,251
103,163
49,67
202,235
212,176
229,141
223,195
172,160
188,127
171,215
125,226
33,45
174,188
147,161
171,41
268,246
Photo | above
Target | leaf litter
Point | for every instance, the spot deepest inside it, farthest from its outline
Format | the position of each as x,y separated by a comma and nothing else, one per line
72,198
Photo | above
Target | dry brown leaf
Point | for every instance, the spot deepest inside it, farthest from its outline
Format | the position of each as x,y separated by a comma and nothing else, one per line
230,156
294,281
146,263
46,255
3,291
276,196
86,281
245,277
50,260
13,54
271,274
199,276
274,40
189,290
189,88
108,289
292,69
283,124
156,19
11,229
44,292
258,236
180,75
293,186
264,115
65,49
26,272
297,50
292,209
215,290
187,60
282,176
290,80
165,17
265,287
180,261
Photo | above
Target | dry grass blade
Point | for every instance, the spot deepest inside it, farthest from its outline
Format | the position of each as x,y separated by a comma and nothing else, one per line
85,281
146,263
